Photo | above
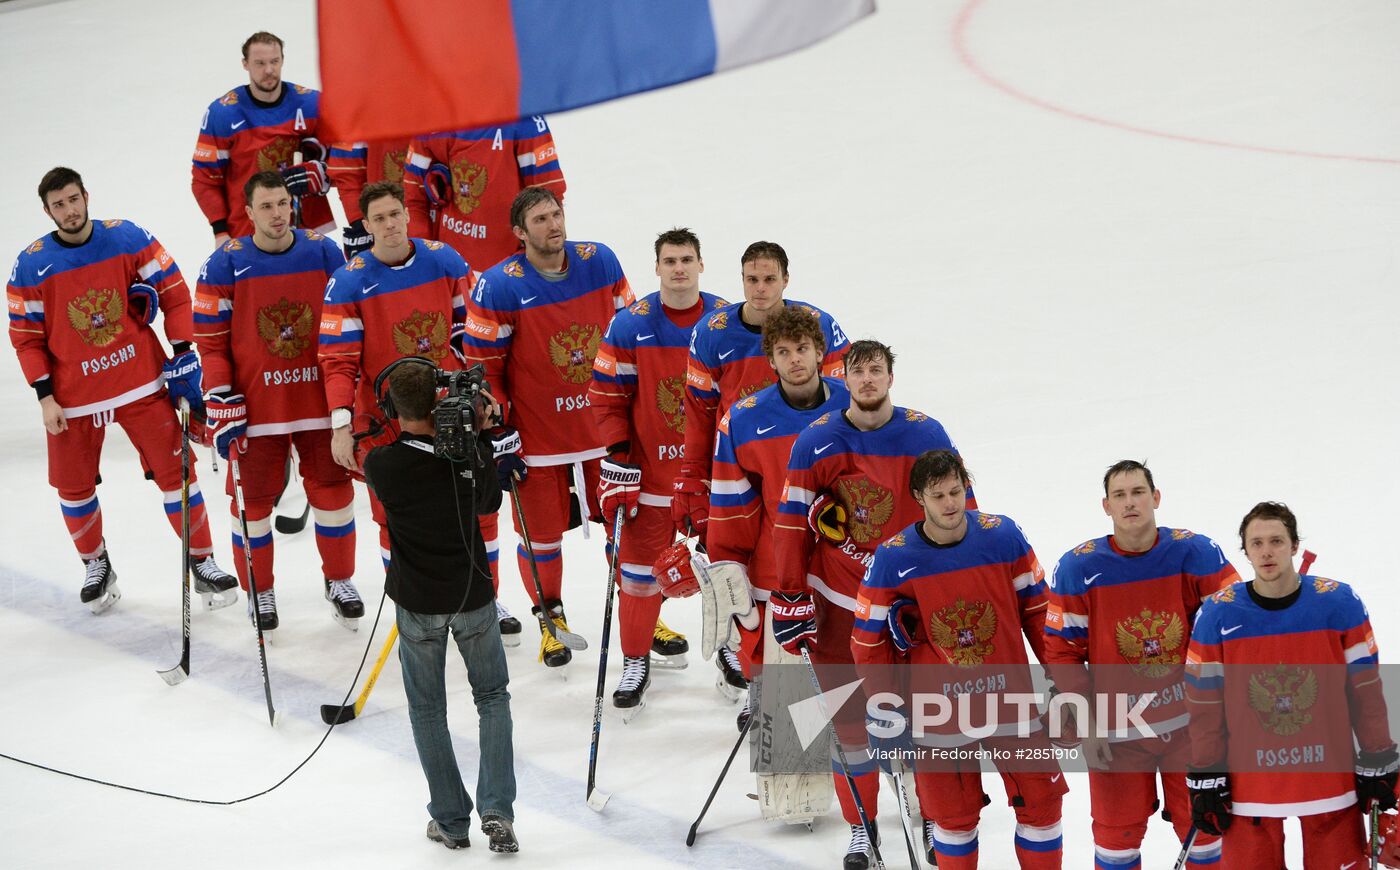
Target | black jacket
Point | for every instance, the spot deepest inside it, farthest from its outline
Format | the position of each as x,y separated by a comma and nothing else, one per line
431,568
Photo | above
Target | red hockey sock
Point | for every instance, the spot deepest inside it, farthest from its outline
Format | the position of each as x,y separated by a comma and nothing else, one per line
638,615
869,785
260,537
201,544
550,563
83,516
335,541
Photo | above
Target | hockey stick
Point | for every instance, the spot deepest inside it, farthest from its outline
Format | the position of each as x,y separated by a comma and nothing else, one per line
567,638
1373,842
690,838
1186,847
288,525
905,822
597,798
335,714
841,758
272,715
177,675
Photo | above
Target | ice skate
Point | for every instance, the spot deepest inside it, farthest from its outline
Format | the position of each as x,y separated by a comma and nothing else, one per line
345,599
266,610
100,584
730,681
216,586
630,696
553,653
668,648
510,626
744,714
858,853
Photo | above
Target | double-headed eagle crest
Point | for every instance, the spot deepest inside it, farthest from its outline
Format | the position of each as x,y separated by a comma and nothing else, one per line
1282,698
963,631
393,165
868,507
468,185
1151,642
719,320
572,350
97,316
286,327
641,309
586,250
514,269
422,334
670,399
276,155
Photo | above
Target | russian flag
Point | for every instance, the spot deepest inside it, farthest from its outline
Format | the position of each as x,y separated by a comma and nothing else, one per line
392,68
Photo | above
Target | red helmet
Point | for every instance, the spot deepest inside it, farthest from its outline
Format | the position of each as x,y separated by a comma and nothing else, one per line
674,573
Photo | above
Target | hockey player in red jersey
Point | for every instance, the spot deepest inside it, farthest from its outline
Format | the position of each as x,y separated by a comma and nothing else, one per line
262,125
953,569
351,166
81,301
846,491
1282,682
460,184
536,320
751,456
727,363
256,313
1126,601
637,399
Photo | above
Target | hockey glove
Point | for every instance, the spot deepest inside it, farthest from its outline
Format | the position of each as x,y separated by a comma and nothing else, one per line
457,341
183,379
437,184
794,618
1210,800
673,571
1376,774
619,487
311,148
827,517
505,449
355,239
226,422
892,740
306,179
903,622
142,301
690,506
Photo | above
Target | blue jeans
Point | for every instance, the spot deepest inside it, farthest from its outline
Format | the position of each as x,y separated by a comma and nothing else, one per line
423,657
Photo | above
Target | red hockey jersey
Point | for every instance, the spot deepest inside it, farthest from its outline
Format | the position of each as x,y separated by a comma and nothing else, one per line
489,166
240,136
726,364
751,460
868,473
1276,689
257,318
352,165
638,388
69,320
539,338
1131,611
375,314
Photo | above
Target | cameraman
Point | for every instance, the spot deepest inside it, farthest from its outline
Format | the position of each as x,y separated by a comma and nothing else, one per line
439,582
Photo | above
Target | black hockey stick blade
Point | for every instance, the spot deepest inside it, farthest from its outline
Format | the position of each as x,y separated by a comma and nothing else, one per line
334,714
291,525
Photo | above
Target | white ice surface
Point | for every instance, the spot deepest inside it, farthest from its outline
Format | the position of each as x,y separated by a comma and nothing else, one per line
1038,204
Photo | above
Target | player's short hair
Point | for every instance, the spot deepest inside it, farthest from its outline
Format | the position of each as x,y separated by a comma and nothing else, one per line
413,389
269,179
1126,466
765,251
262,36
56,179
378,190
528,199
867,350
678,236
935,465
793,323
1271,510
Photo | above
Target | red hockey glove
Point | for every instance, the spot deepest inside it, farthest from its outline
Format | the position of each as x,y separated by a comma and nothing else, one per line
674,572
306,179
437,184
619,487
690,506
794,618
827,517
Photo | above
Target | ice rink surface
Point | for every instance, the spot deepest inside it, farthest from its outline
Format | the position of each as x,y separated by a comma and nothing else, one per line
1090,230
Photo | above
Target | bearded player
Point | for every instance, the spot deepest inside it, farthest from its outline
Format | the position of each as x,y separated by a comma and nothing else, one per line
257,311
